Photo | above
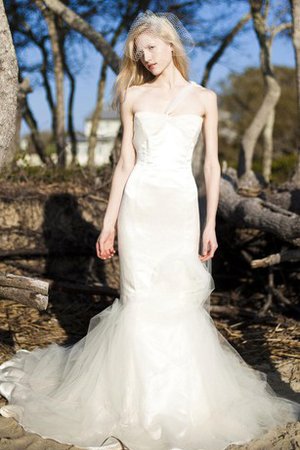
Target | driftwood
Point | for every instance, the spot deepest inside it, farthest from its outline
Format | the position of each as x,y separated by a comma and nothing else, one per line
28,291
245,212
33,292
276,258
25,297
31,284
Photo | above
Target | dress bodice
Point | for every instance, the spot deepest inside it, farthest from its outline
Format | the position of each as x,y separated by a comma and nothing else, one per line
166,139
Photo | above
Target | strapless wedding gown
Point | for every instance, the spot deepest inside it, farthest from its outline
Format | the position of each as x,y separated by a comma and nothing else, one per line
152,371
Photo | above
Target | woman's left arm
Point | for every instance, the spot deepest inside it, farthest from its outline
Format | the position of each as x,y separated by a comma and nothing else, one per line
212,174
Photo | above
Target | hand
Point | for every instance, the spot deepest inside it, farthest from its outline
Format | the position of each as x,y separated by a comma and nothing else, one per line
210,244
105,243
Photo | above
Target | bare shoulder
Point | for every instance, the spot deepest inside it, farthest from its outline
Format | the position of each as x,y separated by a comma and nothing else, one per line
130,96
207,98
135,90
209,94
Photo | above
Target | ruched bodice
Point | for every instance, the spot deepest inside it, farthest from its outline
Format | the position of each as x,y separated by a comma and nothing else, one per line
165,140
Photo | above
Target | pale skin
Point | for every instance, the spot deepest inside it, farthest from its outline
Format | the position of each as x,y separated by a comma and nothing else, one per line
156,95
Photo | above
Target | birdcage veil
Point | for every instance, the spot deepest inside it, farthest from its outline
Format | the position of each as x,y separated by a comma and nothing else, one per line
159,23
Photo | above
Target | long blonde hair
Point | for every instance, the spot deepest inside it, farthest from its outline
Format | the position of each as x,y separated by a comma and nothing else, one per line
133,73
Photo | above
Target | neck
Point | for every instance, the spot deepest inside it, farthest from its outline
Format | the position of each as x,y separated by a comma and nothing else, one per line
170,78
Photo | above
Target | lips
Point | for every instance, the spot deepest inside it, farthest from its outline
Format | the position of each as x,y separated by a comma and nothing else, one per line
151,66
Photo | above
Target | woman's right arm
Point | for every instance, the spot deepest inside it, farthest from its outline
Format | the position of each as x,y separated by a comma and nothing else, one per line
125,164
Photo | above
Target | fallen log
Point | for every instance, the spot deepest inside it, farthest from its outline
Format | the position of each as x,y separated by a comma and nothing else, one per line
254,212
34,292
18,281
25,297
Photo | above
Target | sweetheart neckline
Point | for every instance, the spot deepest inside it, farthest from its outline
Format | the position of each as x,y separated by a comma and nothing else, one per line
167,114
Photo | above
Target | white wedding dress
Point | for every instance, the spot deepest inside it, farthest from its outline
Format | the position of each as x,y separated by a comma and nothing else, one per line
152,371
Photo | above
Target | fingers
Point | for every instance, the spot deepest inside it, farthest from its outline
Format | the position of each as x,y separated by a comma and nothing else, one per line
207,254
104,249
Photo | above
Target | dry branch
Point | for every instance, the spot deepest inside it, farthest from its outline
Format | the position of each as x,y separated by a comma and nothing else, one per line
276,258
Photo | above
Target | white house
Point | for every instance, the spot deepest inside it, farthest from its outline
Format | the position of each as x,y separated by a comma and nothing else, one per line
107,130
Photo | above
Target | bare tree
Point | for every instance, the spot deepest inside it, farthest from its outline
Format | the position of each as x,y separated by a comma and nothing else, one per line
268,146
79,24
272,94
96,116
295,6
59,108
8,90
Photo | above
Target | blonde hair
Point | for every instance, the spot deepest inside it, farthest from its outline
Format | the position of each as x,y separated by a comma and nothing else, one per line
133,73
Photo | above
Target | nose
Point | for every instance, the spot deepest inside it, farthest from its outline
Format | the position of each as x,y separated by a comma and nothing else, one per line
146,56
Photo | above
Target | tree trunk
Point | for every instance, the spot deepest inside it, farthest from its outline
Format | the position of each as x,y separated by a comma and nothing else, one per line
268,147
59,85
35,135
296,42
59,108
23,90
71,128
96,116
270,100
8,90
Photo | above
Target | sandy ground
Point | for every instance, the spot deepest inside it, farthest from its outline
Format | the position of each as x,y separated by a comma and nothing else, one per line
13,437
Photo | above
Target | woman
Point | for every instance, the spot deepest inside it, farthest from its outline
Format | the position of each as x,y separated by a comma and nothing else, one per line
152,371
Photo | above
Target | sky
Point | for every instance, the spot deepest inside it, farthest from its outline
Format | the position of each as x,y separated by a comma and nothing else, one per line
237,58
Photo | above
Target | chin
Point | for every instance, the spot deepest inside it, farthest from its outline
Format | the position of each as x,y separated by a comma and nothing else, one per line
156,71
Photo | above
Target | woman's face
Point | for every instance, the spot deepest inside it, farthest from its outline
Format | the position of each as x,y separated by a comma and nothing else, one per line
154,53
